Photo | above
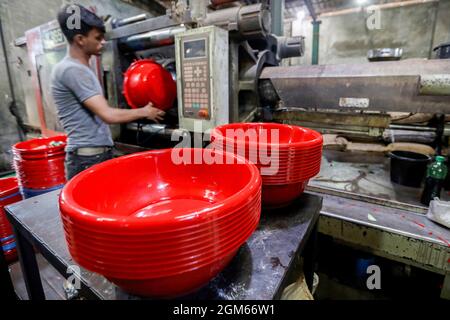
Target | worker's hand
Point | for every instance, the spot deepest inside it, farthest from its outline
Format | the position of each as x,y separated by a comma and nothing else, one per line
152,113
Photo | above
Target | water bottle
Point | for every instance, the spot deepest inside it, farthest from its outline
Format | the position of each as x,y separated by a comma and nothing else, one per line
436,174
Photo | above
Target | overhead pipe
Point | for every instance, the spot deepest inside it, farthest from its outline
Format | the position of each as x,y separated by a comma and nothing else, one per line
152,39
316,32
130,20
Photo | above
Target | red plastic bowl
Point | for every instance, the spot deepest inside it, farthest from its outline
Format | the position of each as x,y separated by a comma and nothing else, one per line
148,192
119,251
8,187
39,163
175,286
148,201
290,137
297,155
160,241
147,81
40,148
278,196
161,265
9,194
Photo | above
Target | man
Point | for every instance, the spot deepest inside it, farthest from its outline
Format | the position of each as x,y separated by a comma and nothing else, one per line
82,109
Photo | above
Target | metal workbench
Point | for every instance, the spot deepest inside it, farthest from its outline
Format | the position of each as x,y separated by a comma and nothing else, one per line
263,267
362,208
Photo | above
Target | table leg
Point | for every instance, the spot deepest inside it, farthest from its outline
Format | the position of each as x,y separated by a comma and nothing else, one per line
7,292
445,292
30,268
310,257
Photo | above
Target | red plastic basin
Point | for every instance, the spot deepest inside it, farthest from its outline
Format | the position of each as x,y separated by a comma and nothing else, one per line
145,216
286,162
289,137
39,163
278,196
9,194
40,148
149,192
147,81
175,286
140,250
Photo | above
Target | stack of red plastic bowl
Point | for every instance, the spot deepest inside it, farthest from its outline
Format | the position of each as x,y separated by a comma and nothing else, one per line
9,194
156,227
287,156
39,164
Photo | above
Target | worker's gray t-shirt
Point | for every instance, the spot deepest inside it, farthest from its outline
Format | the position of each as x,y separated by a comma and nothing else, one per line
72,84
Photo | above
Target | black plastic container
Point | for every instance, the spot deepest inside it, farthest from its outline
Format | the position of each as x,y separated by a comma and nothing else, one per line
443,51
408,168
447,180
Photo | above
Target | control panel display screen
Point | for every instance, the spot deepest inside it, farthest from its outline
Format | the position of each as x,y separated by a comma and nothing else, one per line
195,49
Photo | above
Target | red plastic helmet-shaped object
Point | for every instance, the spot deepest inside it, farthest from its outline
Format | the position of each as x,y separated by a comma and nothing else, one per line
147,81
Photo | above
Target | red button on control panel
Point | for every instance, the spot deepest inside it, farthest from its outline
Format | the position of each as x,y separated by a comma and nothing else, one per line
203,113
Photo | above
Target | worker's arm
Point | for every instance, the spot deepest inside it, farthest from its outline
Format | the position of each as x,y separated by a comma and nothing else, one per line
99,105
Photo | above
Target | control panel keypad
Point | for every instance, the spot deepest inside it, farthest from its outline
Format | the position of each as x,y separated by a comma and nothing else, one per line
196,89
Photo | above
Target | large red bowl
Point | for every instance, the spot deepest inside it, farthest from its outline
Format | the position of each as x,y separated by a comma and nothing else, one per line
147,81
175,286
161,265
144,250
148,192
145,198
180,237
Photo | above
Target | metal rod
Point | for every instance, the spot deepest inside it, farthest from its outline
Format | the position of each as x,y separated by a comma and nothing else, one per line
311,10
277,9
152,39
316,38
415,128
130,20
433,32
364,198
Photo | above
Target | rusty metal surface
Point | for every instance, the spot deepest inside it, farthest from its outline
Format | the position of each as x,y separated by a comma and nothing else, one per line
398,221
395,234
366,174
334,118
438,85
141,27
389,86
409,67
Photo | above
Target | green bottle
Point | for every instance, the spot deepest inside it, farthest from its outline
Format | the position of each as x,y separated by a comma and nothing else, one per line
436,174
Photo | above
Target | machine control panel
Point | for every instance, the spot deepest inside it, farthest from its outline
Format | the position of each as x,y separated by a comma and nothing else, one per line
196,78
202,82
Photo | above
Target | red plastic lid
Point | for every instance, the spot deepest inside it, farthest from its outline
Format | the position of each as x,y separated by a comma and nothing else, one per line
8,187
147,81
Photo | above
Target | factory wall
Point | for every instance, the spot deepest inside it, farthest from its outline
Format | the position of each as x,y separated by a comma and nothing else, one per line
346,38
18,17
